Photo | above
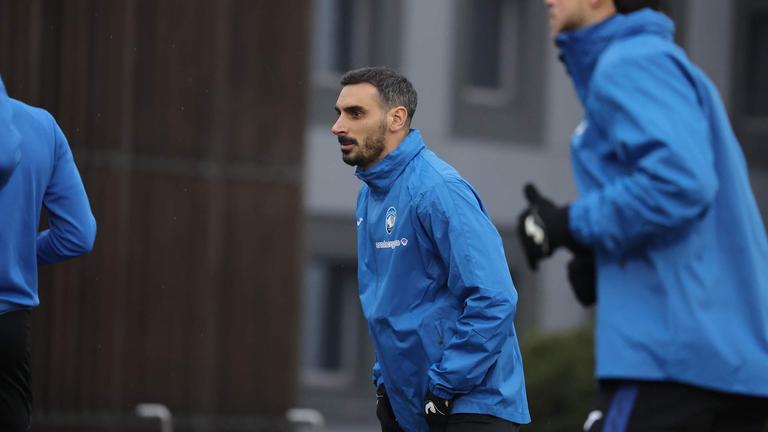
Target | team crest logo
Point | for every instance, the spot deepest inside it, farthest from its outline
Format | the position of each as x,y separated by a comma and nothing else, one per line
390,219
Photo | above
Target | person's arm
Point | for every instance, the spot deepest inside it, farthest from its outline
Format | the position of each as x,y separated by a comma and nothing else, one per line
72,227
647,107
377,380
478,276
10,152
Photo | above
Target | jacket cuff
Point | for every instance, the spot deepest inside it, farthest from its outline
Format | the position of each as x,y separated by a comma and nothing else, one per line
440,392
570,241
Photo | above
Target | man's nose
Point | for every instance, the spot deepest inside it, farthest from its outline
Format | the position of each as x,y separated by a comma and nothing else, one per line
338,127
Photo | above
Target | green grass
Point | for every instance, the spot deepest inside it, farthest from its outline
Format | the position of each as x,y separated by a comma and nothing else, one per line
559,379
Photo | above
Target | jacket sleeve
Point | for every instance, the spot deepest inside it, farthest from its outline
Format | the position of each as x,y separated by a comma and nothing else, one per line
478,276
377,380
647,107
10,152
72,227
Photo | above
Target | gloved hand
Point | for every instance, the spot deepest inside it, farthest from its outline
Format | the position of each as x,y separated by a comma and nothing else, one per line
582,275
436,411
543,227
384,410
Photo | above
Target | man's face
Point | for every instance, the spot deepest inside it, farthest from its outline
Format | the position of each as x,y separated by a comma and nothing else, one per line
566,15
361,126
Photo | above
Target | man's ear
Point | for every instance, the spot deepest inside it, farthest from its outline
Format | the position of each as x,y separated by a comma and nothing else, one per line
398,118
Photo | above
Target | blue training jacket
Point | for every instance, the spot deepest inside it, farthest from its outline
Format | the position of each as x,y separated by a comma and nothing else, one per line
10,153
436,290
45,175
667,206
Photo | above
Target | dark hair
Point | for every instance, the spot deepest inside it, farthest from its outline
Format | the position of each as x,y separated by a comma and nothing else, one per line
394,89
629,6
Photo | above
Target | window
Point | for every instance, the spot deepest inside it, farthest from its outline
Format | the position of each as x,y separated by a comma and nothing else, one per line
333,325
750,108
348,34
491,75
339,41
501,45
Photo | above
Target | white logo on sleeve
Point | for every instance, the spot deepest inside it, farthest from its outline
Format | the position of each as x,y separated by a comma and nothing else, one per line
593,417
580,128
359,221
578,133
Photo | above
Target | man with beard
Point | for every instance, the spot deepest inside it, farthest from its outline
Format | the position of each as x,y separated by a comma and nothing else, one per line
433,279
666,207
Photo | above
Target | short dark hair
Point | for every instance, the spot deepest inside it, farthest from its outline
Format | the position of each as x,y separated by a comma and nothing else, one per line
394,89
629,6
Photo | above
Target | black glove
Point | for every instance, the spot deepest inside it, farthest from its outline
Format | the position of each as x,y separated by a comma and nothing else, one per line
582,275
384,410
543,227
436,411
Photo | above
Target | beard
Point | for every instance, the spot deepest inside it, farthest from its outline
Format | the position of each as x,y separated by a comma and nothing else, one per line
370,150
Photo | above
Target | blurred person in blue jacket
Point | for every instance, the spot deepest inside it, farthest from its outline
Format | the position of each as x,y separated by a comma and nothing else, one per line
434,283
10,154
666,233
43,174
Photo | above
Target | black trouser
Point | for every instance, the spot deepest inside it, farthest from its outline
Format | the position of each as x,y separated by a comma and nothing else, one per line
469,423
650,406
478,422
15,391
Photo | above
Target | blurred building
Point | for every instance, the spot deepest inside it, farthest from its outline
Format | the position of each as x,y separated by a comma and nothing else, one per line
495,102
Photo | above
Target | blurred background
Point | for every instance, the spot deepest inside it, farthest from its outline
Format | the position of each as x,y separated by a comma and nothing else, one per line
223,280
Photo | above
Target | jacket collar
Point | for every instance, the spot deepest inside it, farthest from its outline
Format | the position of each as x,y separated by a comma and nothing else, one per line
580,49
383,174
